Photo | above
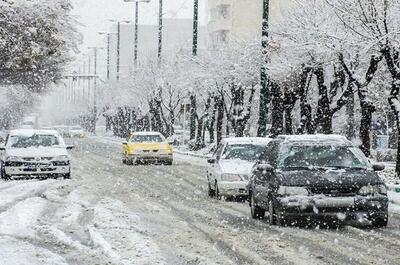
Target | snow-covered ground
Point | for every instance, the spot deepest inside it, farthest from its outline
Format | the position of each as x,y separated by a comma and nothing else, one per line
111,213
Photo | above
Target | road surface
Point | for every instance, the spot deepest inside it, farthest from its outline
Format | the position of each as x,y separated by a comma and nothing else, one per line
110,213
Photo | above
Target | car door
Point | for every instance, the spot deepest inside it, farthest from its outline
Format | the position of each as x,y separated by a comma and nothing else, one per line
214,168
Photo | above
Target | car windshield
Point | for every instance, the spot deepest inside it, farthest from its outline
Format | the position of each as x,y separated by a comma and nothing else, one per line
35,140
315,156
146,139
248,152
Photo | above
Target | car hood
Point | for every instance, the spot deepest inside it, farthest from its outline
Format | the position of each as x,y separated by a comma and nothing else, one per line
36,152
236,166
329,178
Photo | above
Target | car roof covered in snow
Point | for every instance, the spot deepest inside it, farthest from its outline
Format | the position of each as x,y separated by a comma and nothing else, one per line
146,133
30,132
326,139
247,140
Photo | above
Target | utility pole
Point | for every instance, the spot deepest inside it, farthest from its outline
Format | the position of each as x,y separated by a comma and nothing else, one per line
108,55
195,26
118,47
135,53
95,50
264,92
160,28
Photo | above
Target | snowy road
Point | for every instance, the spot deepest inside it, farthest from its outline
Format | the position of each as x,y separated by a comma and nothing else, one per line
110,213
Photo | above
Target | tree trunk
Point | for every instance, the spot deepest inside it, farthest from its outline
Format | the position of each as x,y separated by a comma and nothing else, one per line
392,129
365,127
351,121
324,114
277,110
288,121
220,118
193,116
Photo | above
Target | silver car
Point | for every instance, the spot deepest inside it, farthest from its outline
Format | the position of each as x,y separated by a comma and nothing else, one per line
229,169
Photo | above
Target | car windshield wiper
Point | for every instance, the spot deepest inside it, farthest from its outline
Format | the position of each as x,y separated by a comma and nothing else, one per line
305,168
346,167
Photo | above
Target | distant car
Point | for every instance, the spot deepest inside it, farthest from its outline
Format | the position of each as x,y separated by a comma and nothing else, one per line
312,177
229,169
35,153
147,147
76,131
179,137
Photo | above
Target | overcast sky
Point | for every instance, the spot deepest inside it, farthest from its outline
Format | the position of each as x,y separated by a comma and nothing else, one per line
94,14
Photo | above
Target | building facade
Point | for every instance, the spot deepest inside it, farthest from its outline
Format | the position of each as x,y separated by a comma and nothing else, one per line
232,21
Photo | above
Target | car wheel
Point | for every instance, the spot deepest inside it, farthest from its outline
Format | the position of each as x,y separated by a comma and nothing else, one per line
211,192
379,222
3,174
67,176
272,218
256,211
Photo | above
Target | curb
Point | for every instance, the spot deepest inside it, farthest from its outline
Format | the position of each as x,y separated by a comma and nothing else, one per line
191,154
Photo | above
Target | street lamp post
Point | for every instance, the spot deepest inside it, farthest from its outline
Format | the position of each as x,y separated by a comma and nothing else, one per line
135,52
195,26
119,44
264,92
160,28
95,51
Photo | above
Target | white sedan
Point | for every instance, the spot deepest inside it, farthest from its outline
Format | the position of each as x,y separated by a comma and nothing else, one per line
229,169
35,153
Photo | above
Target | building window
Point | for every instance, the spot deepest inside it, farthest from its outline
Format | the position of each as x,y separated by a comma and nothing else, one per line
220,12
221,37
224,11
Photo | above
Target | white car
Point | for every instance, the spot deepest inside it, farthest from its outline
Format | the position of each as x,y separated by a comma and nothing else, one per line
76,131
35,153
230,167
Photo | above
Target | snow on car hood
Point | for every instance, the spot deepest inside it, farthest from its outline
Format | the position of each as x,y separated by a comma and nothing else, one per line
236,166
37,151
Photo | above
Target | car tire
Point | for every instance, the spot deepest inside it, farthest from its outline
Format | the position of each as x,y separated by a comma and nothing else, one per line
272,217
256,211
67,176
211,192
3,174
380,222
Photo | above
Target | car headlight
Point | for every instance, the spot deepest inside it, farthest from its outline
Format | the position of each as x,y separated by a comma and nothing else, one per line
170,149
292,191
13,158
61,158
373,189
232,177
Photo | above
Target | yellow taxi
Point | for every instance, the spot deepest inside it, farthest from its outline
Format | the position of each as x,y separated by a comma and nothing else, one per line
147,147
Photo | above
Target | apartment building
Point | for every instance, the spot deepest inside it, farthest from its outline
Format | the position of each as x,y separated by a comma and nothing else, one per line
232,21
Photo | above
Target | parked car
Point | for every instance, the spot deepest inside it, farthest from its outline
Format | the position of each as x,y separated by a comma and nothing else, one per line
307,177
76,131
229,168
35,153
147,147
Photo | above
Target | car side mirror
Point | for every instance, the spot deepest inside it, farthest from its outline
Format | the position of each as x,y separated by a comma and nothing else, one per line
264,168
375,167
70,147
212,160
170,142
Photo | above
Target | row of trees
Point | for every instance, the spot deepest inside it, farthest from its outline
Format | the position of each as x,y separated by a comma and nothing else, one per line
331,65
37,40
